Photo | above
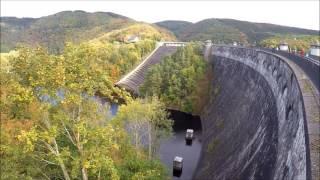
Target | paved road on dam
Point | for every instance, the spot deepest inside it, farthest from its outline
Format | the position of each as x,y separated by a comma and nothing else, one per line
310,67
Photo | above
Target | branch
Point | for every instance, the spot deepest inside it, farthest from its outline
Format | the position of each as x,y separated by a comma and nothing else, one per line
49,147
44,175
68,133
49,162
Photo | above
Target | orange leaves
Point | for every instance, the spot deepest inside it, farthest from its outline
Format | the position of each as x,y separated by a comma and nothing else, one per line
12,126
115,73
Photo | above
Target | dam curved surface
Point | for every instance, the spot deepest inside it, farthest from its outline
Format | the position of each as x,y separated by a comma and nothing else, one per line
254,124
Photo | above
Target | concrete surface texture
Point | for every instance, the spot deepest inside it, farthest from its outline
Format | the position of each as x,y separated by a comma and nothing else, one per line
311,99
254,123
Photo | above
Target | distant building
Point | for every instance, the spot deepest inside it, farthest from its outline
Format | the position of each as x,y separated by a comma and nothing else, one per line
132,39
283,46
208,42
315,50
235,43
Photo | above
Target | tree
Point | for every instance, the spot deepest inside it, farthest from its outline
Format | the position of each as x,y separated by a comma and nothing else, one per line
53,124
174,80
145,119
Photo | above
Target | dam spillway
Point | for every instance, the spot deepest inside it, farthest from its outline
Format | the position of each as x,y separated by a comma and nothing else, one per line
135,78
254,124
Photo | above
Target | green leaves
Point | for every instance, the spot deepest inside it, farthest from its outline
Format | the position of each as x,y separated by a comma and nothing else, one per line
66,132
296,42
145,119
175,79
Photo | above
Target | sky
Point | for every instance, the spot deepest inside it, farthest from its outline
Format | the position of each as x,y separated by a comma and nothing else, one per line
303,14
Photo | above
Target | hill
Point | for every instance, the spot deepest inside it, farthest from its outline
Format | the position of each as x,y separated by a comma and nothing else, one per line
54,30
174,26
142,30
79,26
228,30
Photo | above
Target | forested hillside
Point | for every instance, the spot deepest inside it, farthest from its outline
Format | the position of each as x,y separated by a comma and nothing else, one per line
228,30
54,30
142,30
298,43
175,26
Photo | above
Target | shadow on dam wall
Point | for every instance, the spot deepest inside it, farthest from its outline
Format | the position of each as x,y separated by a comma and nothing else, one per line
253,124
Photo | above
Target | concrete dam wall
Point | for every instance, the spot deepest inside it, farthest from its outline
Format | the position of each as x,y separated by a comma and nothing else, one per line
254,123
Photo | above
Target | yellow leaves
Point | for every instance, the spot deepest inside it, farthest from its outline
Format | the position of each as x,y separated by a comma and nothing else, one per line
50,134
21,94
86,164
115,146
147,175
29,138
145,31
73,85
79,72
72,99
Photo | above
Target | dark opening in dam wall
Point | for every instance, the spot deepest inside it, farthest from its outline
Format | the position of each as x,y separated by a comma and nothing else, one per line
254,123
183,121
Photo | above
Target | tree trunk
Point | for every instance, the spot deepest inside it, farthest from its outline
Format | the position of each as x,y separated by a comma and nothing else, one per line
137,140
99,177
64,170
63,167
150,140
55,149
84,173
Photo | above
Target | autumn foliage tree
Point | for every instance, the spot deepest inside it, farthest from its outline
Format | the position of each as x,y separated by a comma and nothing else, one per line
53,126
147,121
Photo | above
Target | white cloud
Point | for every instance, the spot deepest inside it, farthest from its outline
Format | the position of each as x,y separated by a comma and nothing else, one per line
304,14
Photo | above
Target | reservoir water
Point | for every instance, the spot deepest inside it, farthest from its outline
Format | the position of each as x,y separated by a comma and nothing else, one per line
176,145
